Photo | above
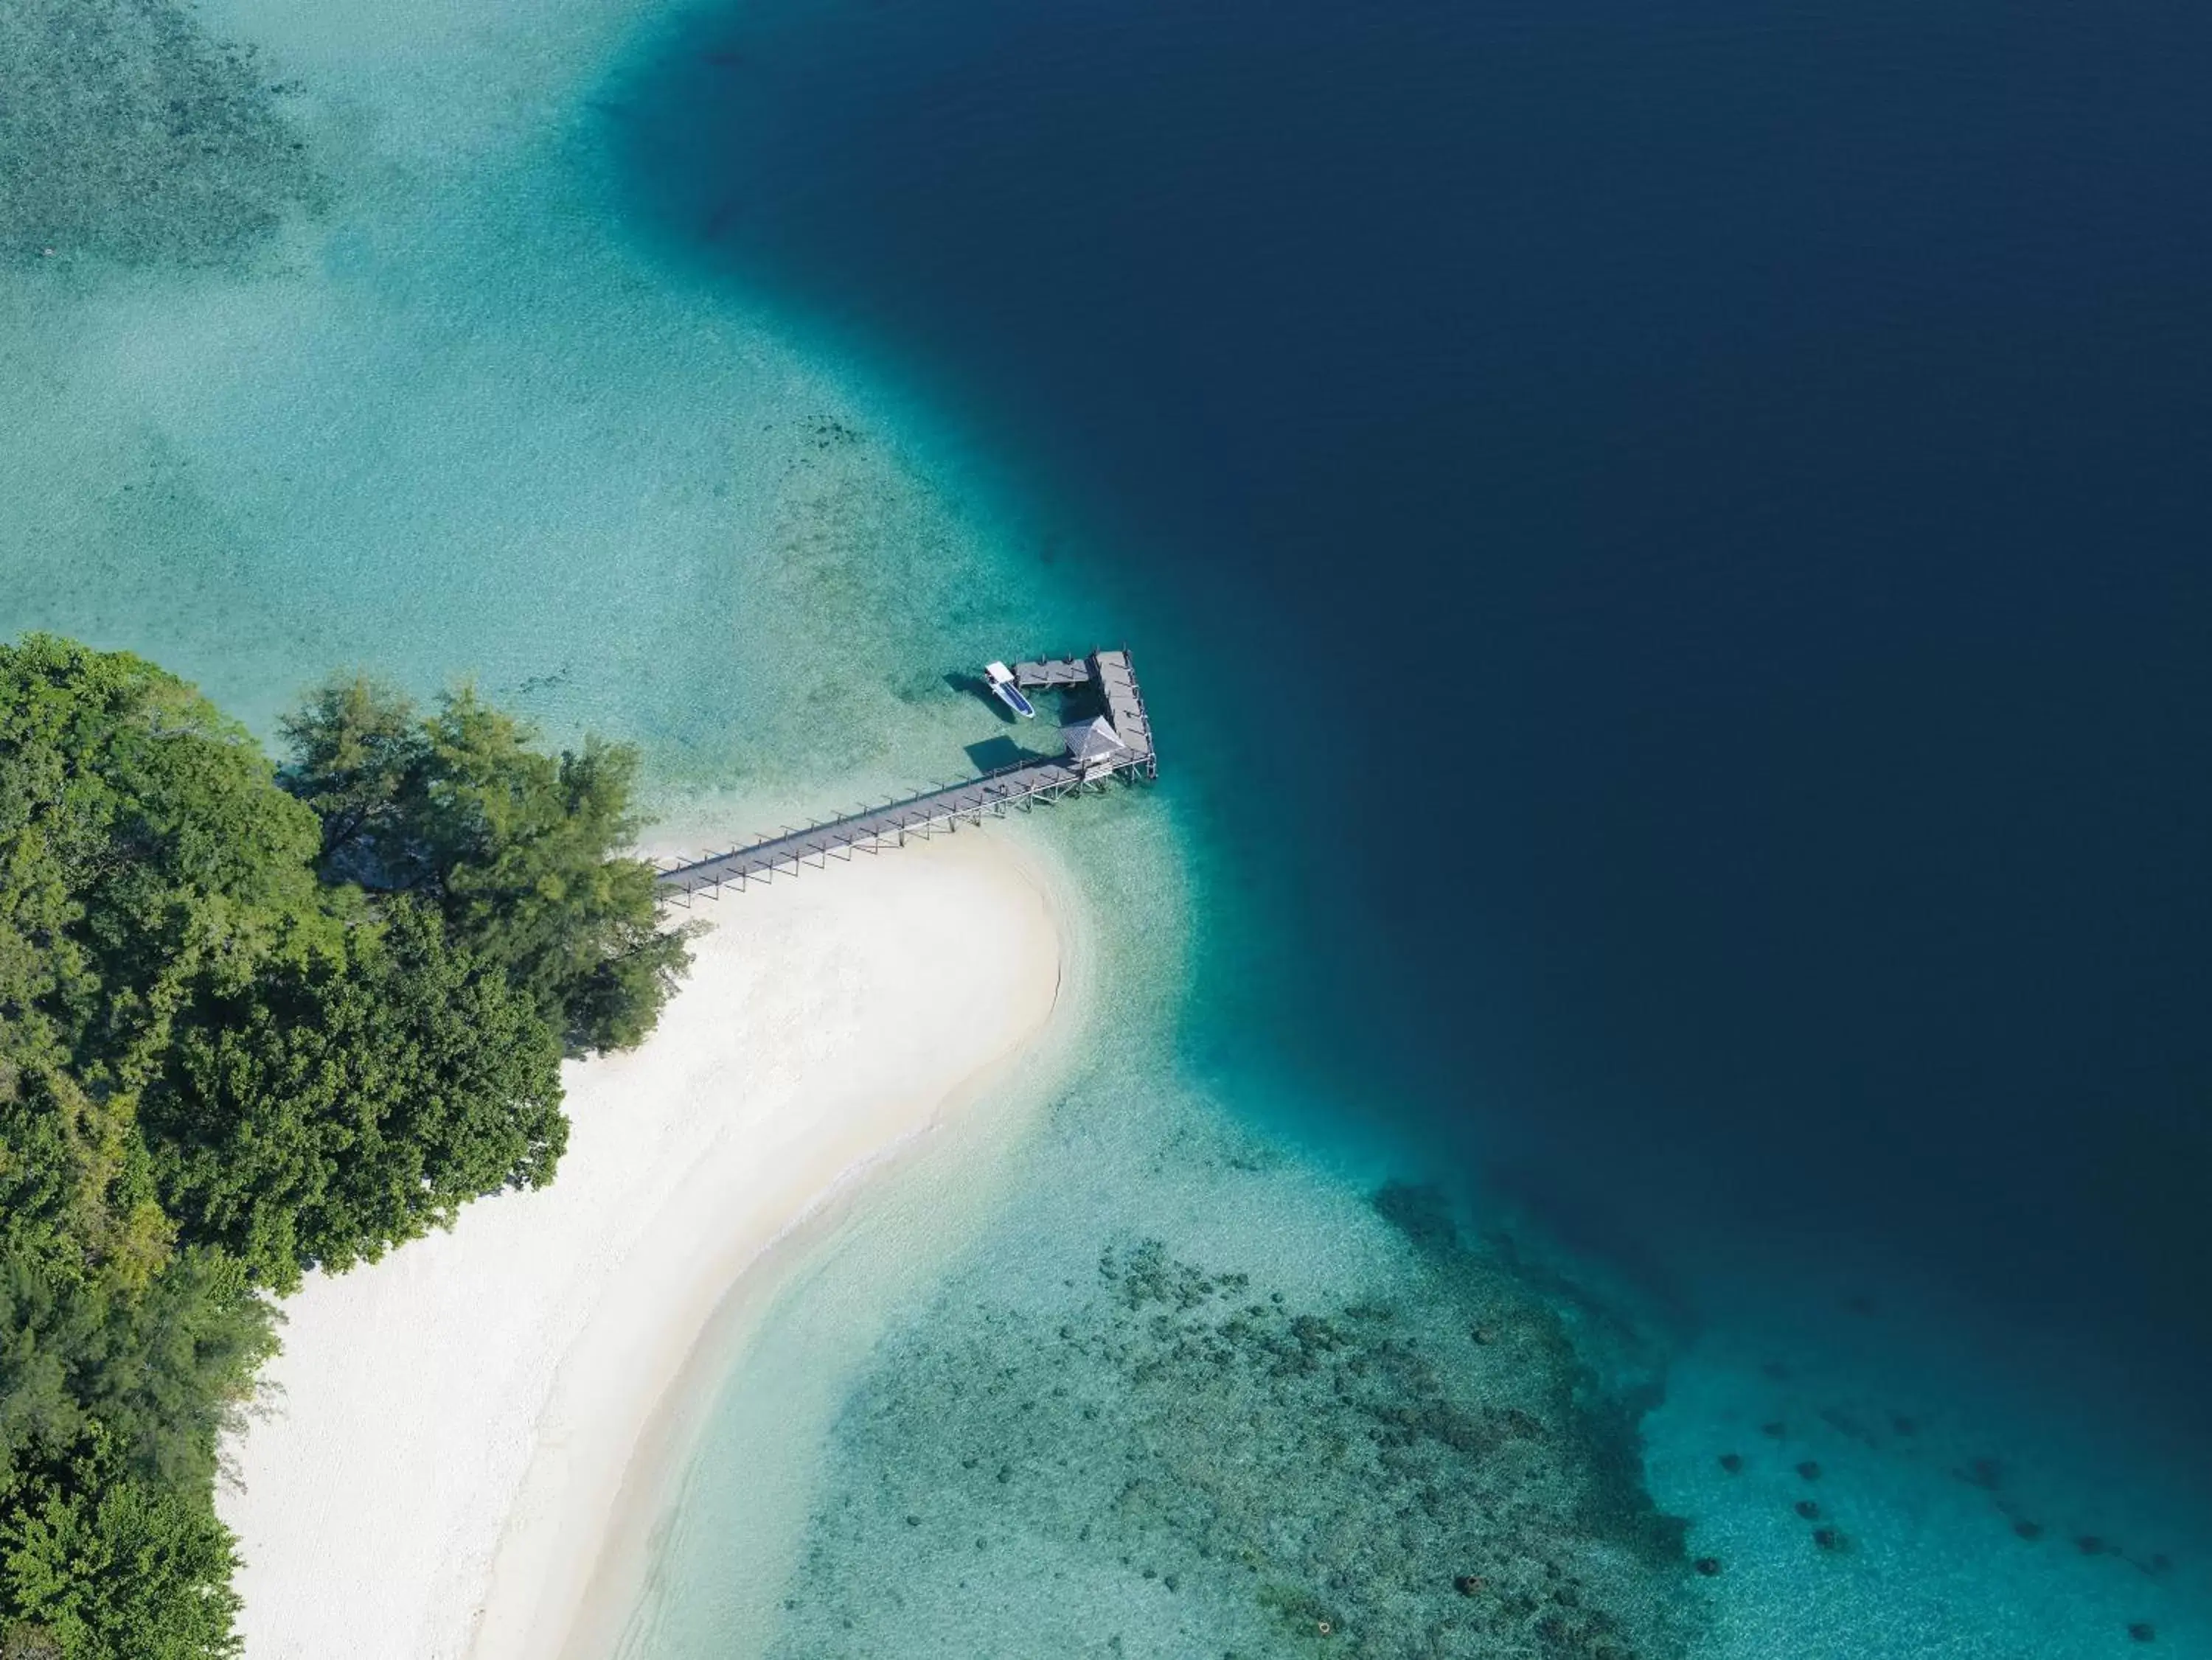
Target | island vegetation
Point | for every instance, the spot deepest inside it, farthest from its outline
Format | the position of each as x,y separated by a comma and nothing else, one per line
256,1019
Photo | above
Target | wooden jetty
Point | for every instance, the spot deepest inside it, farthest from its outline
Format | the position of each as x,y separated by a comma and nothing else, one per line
1115,745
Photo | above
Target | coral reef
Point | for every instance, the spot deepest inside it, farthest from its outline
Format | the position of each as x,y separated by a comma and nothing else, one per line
126,133
1179,1459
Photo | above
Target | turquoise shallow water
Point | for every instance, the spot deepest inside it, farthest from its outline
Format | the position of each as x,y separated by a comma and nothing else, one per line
452,427
462,415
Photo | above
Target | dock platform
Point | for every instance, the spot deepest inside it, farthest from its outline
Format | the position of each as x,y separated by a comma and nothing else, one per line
1020,785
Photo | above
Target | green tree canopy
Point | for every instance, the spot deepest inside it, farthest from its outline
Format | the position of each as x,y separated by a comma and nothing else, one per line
341,1107
145,849
251,1025
520,850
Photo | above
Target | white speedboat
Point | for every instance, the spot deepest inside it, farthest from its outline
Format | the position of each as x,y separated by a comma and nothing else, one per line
1004,689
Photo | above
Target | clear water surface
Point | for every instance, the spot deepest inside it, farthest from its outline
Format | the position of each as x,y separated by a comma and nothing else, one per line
1661,991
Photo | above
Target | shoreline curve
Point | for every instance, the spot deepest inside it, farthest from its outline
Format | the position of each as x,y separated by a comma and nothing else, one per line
494,1415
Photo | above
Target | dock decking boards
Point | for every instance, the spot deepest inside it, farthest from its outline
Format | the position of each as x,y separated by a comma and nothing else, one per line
1054,671
1018,784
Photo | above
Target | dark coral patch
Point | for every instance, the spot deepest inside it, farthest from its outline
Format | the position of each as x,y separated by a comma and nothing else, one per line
1806,1508
1809,1470
2028,1529
1731,1462
130,133
1317,1470
1774,1429
2143,1631
1708,1565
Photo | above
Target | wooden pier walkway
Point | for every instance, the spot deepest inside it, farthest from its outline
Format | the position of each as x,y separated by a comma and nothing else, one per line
1092,761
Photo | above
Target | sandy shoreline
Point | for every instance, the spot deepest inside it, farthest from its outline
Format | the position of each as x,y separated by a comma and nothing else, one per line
451,1431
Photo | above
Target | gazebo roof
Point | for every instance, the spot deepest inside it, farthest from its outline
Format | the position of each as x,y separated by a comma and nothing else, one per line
1093,740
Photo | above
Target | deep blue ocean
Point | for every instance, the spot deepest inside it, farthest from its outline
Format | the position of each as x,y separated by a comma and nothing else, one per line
1676,539
1643,1084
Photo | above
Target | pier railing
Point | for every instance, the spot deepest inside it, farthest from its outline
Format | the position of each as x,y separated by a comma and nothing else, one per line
1019,785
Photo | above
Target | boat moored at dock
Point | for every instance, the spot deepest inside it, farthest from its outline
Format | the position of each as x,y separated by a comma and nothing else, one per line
1007,691
1101,745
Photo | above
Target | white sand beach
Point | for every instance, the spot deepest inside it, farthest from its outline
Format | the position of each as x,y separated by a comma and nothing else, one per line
449,1430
